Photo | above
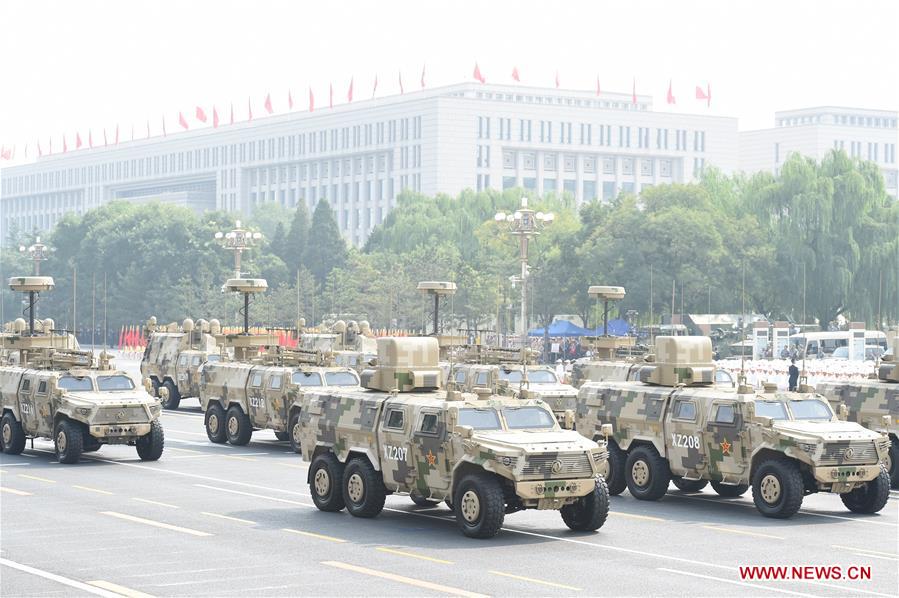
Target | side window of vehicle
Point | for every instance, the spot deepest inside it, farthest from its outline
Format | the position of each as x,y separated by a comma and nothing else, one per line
685,410
275,382
182,361
725,414
42,387
428,423
482,379
195,361
395,419
256,382
459,377
26,384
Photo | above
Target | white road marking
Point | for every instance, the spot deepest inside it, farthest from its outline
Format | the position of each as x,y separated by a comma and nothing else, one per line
38,478
419,583
174,528
119,590
854,549
743,532
413,555
736,583
58,579
538,581
89,489
229,518
13,464
155,502
272,498
313,535
16,492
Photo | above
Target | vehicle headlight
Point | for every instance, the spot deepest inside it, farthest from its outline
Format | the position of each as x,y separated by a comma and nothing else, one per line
808,447
84,410
507,461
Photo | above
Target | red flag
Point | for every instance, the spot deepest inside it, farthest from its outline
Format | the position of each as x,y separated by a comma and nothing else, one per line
349,95
117,134
422,76
330,95
671,99
634,92
5,154
77,140
201,115
268,103
289,100
598,91
65,146
375,87
163,126
557,79
182,121
215,118
90,139
311,100
249,109
232,113
515,74
477,73
702,95
401,82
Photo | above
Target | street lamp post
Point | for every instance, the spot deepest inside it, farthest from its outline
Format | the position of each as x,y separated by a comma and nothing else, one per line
240,240
524,223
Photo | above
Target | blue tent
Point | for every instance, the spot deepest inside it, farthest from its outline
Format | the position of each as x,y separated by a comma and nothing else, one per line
617,327
562,328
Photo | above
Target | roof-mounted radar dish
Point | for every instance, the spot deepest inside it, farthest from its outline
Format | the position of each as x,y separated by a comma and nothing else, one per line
245,285
31,284
606,293
437,289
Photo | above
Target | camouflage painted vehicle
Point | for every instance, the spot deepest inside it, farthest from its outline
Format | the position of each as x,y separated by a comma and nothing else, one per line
485,455
591,370
238,398
674,425
173,358
873,404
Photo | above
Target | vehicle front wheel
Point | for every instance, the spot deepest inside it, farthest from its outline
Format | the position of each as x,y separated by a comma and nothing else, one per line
149,446
479,505
617,462
688,485
647,473
363,489
68,438
777,488
728,490
237,426
215,423
294,430
892,463
326,482
12,436
174,397
871,496
589,513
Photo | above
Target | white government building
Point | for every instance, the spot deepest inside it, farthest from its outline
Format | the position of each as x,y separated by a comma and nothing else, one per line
360,156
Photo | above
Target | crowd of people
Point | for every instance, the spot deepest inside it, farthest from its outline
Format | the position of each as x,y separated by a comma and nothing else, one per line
814,370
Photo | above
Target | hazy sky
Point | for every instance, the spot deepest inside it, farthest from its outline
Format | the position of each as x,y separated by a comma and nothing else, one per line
75,65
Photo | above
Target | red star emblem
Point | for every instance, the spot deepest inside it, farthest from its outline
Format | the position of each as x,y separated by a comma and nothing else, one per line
725,447
431,457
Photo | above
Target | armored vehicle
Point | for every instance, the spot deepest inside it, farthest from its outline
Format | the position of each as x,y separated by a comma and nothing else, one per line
674,425
486,455
47,395
873,404
173,357
496,369
238,398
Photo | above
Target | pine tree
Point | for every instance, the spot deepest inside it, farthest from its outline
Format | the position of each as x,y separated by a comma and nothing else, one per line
294,247
325,249
276,246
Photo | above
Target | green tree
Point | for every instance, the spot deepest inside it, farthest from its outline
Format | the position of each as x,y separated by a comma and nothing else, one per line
294,247
325,249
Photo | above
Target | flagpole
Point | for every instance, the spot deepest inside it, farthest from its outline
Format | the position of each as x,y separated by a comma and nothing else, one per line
93,310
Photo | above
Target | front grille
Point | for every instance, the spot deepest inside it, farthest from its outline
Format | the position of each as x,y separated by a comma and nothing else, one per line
577,465
120,415
851,453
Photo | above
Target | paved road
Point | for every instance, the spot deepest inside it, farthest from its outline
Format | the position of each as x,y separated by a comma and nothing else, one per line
218,520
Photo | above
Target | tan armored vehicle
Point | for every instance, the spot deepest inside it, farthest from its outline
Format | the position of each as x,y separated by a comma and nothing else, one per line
502,372
873,404
486,455
59,394
173,358
239,398
674,425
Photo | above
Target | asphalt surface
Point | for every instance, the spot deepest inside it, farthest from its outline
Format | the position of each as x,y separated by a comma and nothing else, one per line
218,520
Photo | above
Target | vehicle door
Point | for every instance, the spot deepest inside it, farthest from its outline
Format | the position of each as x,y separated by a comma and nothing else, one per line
276,399
429,452
683,436
394,439
42,401
27,408
193,375
256,388
182,373
724,438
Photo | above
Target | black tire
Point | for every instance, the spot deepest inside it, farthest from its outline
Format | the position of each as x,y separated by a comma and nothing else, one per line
589,513
91,444
363,489
777,489
326,482
654,474
68,440
617,463
150,445
421,501
12,436
154,384
689,485
479,505
293,432
893,468
238,428
215,423
282,436
174,398
728,491
870,497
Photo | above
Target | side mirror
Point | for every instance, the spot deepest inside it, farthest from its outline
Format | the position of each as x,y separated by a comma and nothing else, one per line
765,421
606,430
842,412
464,431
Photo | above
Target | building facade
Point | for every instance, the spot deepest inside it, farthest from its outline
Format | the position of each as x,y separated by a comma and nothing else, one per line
865,134
360,156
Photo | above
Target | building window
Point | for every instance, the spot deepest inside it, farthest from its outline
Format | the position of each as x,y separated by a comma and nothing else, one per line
646,167
549,185
549,162
508,182
529,161
627,166
608,165
589,191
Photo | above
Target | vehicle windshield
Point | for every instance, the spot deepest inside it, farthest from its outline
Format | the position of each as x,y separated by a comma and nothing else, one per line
213,358
115,382
341,379
306,378
525,418
772,409
480,419
74,384
813,409
534,376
